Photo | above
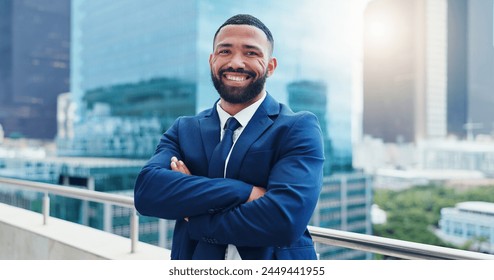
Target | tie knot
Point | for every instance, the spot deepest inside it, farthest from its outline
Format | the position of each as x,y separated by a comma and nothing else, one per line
232,124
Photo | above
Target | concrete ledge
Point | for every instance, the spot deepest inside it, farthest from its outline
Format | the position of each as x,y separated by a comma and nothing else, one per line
23,236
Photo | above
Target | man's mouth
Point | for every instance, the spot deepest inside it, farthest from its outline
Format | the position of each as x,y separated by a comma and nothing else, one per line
236,77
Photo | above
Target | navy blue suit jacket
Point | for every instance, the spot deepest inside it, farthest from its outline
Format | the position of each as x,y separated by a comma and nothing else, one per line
279,150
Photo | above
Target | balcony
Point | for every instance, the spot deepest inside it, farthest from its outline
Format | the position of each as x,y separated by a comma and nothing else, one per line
24,236
29,235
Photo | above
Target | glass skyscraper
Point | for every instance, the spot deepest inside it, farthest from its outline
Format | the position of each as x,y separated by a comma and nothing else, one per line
143,59
428,68
312,96
34,65
405,70
346,195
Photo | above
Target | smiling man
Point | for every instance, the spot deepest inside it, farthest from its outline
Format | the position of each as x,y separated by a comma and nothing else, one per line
241,179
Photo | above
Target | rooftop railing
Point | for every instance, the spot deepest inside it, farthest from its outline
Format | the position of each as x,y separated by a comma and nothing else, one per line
363,242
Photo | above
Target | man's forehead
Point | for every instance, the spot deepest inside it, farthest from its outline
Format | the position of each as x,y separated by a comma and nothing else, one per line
241,30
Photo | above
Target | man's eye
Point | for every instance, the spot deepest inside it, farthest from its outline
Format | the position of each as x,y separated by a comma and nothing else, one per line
224,52
251,53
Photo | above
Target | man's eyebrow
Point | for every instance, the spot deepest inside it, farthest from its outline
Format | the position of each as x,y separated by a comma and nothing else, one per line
224,45
228,45
251,47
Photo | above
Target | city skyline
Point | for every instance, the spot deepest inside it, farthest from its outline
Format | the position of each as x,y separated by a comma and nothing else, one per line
467,84
401,88
126,88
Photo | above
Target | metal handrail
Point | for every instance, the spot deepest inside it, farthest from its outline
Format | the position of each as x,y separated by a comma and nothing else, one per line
364,242
74,192
392,247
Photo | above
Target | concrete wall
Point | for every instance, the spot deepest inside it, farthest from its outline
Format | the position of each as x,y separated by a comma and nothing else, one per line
24,237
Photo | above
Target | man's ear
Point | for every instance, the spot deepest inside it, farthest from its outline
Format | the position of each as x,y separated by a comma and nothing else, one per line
272,64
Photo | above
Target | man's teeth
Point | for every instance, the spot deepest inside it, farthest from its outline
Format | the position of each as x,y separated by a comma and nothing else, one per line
236,78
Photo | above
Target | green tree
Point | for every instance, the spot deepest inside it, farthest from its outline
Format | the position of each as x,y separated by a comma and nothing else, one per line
414,211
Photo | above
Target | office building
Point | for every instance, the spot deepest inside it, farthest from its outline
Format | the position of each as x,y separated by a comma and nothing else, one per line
457,155
481,64
312,96
131,76
428,69
159,66
457,67
470,67
344,204
405,47
469,223
345,198
34,68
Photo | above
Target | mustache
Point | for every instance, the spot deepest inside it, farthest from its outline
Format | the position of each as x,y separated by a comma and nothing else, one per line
239,70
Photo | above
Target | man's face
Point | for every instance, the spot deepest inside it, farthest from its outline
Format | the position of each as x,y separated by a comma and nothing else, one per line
240,63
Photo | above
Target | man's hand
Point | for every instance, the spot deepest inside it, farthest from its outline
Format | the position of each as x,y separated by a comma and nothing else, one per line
257,192
178,165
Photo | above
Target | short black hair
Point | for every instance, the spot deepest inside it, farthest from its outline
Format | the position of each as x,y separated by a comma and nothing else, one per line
244,19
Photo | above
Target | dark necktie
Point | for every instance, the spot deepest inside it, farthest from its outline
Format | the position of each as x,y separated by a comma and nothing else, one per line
204,250
220,153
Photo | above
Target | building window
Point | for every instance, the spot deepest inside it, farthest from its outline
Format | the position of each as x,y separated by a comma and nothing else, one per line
447,227
485,231
457,229
471,230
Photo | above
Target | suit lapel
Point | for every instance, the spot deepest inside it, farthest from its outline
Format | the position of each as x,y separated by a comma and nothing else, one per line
210,131
257,125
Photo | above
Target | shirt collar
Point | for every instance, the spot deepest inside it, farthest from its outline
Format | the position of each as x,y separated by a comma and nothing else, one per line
244,116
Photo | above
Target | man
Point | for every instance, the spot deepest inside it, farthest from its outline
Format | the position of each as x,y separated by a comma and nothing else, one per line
258,197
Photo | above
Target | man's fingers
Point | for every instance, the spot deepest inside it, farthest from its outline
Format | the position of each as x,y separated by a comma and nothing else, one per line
183,167
178,165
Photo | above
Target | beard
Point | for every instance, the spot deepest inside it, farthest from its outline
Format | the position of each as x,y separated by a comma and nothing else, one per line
238,95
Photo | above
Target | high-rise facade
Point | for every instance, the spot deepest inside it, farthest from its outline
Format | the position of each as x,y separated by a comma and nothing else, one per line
481,65
428,68
312,96
457,67
344,204
131,75
158,68
34,68
345,198
405,70
470,67
5,53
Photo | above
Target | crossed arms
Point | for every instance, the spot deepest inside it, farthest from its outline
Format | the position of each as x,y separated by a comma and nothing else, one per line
273,215
179,166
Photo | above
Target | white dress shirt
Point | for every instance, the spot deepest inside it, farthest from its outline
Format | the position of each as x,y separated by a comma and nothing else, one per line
243,117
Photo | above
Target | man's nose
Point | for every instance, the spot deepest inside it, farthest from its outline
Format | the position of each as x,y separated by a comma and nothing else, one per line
237,61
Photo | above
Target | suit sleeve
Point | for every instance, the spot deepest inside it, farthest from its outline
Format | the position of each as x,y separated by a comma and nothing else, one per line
164,193
281,216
